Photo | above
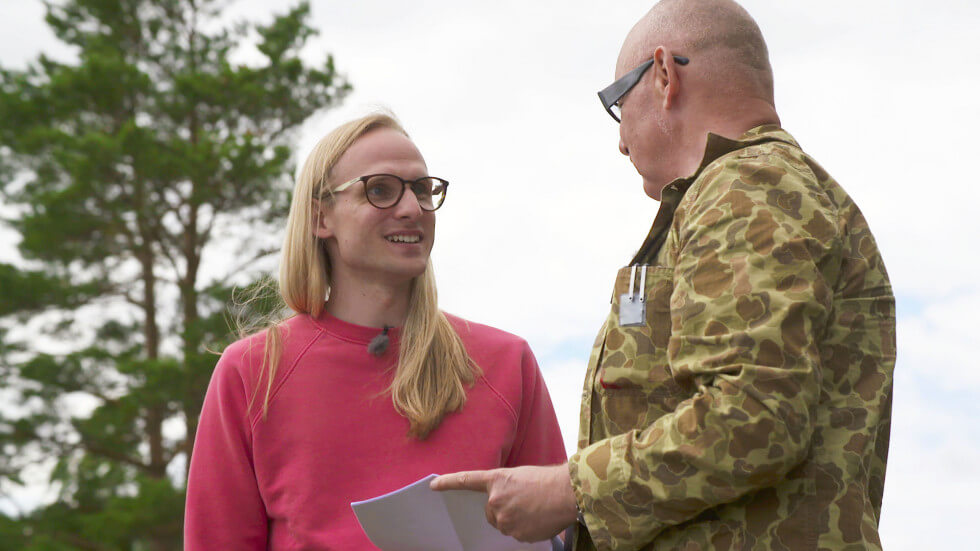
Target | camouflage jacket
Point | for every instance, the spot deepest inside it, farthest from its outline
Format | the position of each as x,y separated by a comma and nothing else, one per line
750,407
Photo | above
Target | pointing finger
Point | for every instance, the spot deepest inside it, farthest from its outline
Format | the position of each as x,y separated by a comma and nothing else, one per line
477,481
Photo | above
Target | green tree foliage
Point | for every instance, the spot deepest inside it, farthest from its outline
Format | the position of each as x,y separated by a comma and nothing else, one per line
166,143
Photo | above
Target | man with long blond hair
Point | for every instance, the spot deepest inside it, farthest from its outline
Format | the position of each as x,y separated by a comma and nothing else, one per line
367,386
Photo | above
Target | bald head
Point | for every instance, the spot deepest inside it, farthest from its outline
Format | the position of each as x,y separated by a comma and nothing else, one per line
724,88
721,38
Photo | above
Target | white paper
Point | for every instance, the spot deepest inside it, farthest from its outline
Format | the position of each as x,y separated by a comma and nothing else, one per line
416,518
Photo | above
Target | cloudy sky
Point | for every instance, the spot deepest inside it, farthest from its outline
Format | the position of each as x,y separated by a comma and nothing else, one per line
500,97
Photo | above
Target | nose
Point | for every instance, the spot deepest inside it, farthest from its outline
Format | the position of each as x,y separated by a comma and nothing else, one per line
622,148
408,206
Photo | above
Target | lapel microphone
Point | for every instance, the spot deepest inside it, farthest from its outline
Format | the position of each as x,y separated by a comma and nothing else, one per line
379,344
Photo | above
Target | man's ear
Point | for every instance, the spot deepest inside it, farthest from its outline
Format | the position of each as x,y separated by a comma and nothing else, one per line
322,223
667,82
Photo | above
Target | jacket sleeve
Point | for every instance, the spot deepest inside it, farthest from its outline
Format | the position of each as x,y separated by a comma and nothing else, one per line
224,509
538,438
750,298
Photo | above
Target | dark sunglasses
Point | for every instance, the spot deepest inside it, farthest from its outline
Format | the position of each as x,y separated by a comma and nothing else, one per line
610,95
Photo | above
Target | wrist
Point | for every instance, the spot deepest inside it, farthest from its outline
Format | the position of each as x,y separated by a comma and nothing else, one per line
570,505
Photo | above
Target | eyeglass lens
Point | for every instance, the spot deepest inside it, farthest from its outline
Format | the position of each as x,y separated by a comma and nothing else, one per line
384,191
616,111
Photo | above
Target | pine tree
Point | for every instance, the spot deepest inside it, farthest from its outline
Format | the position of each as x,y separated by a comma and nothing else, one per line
124,172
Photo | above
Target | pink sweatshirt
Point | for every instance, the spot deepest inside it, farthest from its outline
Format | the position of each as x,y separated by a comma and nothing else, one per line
332,435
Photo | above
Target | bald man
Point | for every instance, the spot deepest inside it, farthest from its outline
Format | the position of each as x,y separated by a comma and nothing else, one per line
739,393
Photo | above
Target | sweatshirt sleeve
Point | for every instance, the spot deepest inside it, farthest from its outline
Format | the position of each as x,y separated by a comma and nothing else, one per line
224,508
538,438
750,299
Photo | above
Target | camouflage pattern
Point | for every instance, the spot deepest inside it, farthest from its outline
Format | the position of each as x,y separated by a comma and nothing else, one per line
752,410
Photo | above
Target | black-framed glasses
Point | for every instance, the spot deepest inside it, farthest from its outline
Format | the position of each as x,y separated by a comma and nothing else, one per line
610,95
385,190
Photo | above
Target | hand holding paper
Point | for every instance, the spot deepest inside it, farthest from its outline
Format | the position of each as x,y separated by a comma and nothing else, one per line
415,518
527,503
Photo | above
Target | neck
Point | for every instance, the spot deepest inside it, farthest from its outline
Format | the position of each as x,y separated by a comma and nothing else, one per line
735,119
371,304
729,121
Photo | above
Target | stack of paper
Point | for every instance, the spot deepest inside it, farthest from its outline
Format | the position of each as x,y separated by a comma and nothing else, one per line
416,518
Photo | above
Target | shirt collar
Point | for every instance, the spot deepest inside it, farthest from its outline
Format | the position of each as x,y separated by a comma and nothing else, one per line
716,146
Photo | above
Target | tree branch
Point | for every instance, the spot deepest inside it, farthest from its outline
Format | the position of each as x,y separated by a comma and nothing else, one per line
114,455
241,267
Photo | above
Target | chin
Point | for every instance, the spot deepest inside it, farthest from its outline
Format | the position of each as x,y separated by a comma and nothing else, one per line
410,272
652,189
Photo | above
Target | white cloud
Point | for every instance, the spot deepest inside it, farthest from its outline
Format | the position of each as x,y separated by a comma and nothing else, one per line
565,380
937,340
932,480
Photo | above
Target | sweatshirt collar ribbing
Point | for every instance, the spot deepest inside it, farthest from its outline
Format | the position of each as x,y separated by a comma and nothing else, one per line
350,332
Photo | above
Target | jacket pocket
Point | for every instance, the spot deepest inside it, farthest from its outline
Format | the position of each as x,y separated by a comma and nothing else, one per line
634,382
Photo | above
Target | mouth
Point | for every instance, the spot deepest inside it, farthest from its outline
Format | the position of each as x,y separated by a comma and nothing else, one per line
404,238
